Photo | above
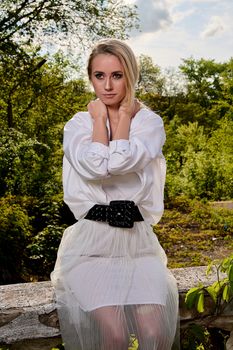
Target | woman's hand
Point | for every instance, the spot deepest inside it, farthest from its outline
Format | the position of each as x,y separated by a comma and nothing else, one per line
98,110
99,114
129,110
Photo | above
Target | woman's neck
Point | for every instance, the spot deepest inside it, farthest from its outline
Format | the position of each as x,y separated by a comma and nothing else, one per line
113,113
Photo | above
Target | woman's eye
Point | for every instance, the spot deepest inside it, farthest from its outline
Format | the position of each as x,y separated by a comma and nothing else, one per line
117,75
99,76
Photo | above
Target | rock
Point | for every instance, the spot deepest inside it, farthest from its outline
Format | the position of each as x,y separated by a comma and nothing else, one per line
229,343
28,316
6,317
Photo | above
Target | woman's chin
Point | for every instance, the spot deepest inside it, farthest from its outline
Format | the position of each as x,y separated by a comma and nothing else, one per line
113,105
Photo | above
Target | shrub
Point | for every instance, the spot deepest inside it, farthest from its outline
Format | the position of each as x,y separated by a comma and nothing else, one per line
42,251
15,230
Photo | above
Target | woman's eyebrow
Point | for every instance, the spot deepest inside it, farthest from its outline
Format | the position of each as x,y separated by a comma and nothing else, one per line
117,71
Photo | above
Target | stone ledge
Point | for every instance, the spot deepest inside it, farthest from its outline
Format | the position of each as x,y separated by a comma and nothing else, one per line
28,312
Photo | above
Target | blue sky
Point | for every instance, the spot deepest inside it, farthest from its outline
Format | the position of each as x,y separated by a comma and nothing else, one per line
176,29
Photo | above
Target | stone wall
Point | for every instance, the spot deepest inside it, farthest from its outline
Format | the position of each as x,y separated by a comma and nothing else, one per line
28,317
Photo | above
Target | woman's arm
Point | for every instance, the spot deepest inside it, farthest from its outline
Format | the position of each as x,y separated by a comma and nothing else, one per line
126,113
88,157
145,142
99,114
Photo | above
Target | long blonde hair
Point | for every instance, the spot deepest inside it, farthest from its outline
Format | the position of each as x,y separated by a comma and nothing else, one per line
127,58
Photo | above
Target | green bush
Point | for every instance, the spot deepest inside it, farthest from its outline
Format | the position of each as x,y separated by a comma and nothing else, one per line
15,230
50,217
30,232
21,163
199,164
42,251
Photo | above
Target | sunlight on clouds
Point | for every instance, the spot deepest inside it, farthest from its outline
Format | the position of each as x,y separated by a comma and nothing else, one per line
214,27
153,15
167,48
180,15
205,1
198,28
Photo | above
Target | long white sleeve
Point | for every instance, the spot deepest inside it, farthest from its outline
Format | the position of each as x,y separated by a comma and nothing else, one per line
146,139
131,169
89,159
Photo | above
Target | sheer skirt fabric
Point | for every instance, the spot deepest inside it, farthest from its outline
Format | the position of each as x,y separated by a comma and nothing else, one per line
112,283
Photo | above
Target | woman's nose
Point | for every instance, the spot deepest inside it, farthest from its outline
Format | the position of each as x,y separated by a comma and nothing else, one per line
108,84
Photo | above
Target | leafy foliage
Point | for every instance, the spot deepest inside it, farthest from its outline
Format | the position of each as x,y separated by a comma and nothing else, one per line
199,164
204,83
194,338
221,292
43,250
151,79
22,21
50,218
22,161
187,223
14,233
133,344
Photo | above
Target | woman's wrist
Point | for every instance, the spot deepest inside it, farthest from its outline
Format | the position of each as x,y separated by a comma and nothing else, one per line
101,119
100,133
124,116
122,131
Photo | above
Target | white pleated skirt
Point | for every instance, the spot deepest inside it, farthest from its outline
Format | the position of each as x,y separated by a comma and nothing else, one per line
112,285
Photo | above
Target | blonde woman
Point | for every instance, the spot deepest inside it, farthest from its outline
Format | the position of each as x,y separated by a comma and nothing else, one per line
110,277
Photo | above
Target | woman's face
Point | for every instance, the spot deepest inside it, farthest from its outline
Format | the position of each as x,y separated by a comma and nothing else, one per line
108,80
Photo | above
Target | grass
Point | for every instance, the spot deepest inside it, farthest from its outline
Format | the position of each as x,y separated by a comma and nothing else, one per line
194,233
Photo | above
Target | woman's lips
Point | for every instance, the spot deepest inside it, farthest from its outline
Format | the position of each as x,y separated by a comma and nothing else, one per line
109,95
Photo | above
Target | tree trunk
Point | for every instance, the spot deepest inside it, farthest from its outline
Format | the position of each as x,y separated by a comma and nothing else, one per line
9,114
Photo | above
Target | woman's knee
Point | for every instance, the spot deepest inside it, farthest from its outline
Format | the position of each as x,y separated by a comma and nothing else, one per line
115,341
115,337
154,335
120,340
112,324
152,327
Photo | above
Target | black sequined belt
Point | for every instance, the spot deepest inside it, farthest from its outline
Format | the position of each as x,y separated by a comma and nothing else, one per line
117,213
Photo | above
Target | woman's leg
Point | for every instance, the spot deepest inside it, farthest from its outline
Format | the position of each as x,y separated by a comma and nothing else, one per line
112,324
152,327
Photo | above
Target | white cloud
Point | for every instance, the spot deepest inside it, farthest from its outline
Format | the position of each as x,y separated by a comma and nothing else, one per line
153,14
181,15
197,28
205,1
167,48
173,3
214,27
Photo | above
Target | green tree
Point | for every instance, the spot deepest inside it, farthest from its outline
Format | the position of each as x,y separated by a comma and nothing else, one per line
204,86
21,20
37,95
151,79
223,107
24,22
174,93
199,165
20,77
23,164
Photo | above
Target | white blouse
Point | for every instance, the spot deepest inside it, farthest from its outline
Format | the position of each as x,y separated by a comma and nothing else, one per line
133,169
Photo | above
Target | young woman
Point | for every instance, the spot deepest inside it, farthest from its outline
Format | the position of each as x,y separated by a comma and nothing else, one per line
110,278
